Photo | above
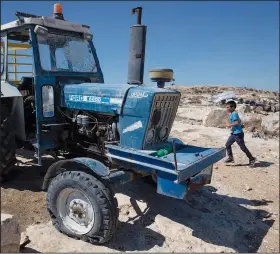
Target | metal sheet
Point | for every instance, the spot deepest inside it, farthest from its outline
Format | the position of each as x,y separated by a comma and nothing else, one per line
8,90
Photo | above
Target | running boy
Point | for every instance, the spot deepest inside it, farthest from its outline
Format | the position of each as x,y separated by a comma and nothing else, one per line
237,134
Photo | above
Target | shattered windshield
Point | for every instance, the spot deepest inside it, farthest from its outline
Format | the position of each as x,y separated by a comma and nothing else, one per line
65,53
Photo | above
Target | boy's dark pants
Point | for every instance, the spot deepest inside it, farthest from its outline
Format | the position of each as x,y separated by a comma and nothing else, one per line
239,139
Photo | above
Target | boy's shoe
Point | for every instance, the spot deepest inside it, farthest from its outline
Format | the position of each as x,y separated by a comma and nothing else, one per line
229,160
252,162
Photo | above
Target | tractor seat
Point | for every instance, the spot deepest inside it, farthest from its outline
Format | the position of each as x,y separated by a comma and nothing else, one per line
26,83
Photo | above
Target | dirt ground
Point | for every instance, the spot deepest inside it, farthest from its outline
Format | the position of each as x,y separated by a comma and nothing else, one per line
237,212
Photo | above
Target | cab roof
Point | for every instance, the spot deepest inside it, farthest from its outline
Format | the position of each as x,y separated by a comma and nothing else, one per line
46,22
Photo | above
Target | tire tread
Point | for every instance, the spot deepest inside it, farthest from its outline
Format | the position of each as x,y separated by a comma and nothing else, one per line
105,199
7,143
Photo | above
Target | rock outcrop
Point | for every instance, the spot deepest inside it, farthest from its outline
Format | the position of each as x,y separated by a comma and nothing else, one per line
10,234
215,118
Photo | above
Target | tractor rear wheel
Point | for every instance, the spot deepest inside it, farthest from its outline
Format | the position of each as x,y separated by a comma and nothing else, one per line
82,207
7,143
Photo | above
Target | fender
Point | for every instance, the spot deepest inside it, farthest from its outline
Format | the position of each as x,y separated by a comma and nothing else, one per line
84,164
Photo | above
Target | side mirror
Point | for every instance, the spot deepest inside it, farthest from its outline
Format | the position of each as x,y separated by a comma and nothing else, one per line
41,30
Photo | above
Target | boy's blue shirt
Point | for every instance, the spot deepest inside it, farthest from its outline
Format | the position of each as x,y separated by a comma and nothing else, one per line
235,117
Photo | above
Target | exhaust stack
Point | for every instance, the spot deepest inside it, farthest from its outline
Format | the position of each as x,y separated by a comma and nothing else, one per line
137,50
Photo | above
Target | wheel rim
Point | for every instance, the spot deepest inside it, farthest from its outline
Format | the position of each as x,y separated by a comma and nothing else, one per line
75,210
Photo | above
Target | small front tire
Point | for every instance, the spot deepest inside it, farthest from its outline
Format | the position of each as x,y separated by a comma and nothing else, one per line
82,207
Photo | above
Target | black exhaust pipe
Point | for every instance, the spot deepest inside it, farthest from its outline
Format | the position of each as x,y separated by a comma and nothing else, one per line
137,50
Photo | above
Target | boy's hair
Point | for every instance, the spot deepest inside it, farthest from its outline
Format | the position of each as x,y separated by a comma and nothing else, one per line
232,104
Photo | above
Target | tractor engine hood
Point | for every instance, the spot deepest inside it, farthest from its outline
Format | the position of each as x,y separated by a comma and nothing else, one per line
103,98
94,97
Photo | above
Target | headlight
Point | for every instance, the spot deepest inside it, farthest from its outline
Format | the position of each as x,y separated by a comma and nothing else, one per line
163,133
150,135
156,117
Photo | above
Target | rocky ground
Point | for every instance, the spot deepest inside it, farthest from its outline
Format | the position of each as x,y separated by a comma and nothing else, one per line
237,212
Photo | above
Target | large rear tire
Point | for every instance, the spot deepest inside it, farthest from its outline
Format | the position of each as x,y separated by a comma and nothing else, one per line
7,143
82,207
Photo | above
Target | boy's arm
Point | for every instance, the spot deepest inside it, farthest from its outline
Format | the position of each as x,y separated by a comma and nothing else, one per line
235,123
228,125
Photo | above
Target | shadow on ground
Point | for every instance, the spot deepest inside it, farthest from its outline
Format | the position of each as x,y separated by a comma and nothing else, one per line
213,218
135,237
28,250
27,175
259,164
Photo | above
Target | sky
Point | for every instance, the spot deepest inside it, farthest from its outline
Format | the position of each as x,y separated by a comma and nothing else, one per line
205,43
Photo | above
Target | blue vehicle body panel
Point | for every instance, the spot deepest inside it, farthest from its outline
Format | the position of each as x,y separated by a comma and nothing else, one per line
166,185
95,165
190,160
101,98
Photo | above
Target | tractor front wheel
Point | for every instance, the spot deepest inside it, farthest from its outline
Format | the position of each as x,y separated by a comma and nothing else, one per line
82,207
7,142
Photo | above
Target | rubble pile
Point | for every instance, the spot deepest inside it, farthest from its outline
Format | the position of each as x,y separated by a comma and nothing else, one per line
258,110
259,101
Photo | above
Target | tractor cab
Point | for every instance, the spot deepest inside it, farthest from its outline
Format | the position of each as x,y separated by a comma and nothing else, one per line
38,54
57,47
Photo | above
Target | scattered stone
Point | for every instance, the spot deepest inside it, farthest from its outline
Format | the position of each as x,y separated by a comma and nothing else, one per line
263,113
251,129
253,107
259,135
248,188
275,108
251,122
244,109
258,109
267,108
10,234
252,103
270,124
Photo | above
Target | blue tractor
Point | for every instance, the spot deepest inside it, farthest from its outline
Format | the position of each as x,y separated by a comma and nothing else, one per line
53,97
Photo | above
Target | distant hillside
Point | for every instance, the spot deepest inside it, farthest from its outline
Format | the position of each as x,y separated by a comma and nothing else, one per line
241,92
